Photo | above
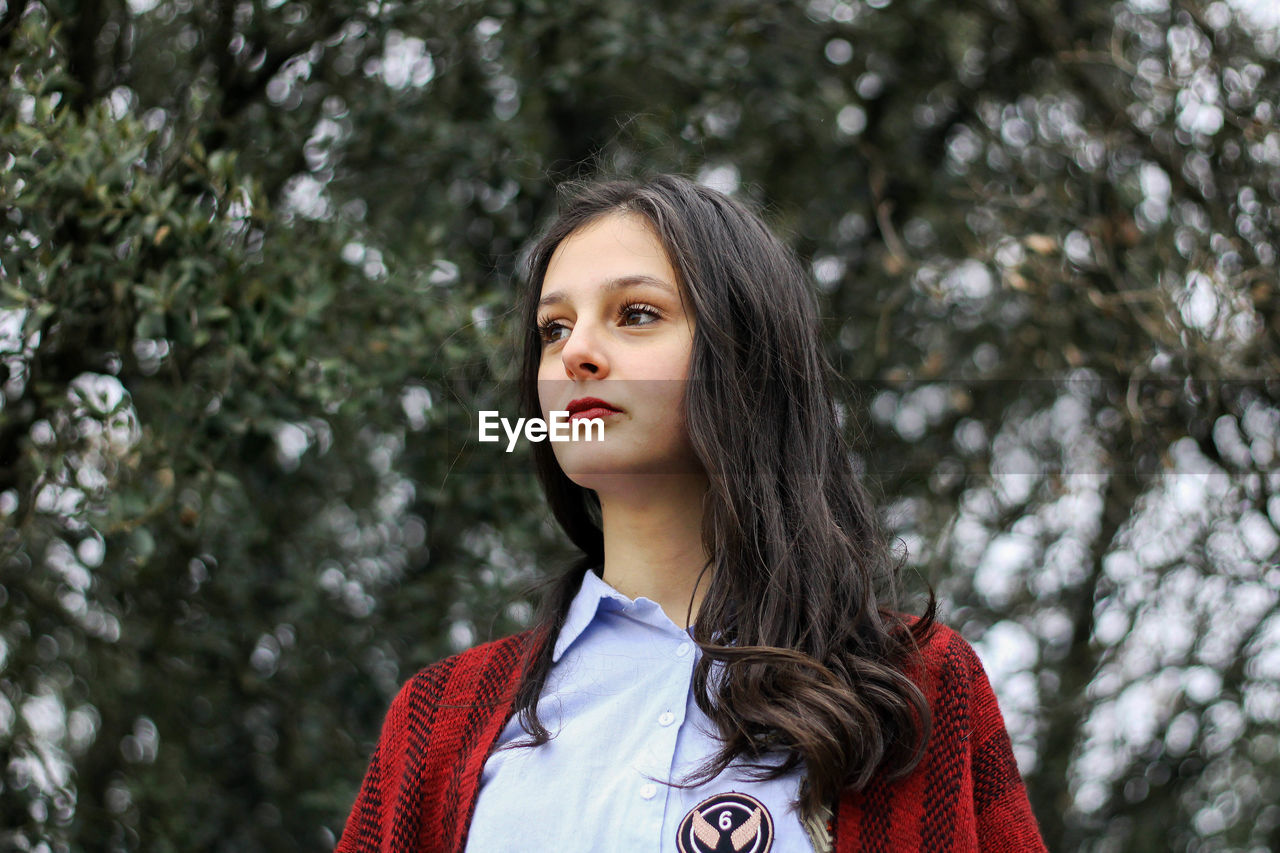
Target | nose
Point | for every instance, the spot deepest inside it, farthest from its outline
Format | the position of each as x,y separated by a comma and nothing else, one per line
582,354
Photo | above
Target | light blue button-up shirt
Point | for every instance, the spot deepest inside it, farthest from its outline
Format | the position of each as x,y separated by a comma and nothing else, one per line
619,705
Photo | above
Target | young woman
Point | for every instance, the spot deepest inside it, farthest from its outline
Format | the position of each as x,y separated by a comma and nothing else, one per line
724,668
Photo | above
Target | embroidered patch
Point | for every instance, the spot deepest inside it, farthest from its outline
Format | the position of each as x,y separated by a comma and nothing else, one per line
726,823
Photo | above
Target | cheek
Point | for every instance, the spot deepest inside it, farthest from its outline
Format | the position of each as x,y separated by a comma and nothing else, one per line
548,391
673,362
684,363
544,364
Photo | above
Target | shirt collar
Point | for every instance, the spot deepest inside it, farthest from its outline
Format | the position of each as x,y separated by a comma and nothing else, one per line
593,596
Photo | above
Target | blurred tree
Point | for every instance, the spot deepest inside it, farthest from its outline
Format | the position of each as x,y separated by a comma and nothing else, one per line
257,265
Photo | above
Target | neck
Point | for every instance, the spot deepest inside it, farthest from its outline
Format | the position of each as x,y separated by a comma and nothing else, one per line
653,542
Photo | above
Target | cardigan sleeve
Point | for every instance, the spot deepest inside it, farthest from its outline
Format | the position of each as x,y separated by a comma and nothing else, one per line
421,785
1001,807
965,795
372,825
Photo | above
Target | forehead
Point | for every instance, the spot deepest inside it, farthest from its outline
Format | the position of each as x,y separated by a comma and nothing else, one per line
614,246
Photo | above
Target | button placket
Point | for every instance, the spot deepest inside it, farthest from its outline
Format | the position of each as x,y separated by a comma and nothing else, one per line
658,757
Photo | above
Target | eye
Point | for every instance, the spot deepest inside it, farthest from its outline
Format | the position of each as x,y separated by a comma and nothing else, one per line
638,314
551,331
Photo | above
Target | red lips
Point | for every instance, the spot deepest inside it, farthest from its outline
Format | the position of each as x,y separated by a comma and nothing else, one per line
590,407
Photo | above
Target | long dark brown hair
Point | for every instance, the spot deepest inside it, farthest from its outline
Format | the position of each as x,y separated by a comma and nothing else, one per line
803,598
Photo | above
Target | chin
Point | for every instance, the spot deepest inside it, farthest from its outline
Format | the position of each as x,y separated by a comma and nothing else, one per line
597,472
608,472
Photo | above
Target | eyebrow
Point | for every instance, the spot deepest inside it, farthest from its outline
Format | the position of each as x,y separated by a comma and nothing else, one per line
620,283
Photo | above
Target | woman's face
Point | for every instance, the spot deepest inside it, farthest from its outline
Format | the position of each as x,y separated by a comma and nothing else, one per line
615,327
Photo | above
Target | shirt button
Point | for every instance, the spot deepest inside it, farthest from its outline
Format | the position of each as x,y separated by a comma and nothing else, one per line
666,718
649,791
682,650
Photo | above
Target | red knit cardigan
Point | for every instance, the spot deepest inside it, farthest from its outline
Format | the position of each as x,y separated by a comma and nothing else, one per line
965,795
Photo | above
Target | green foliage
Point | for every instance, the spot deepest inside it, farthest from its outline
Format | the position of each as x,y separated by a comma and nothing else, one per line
202,429
256,273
